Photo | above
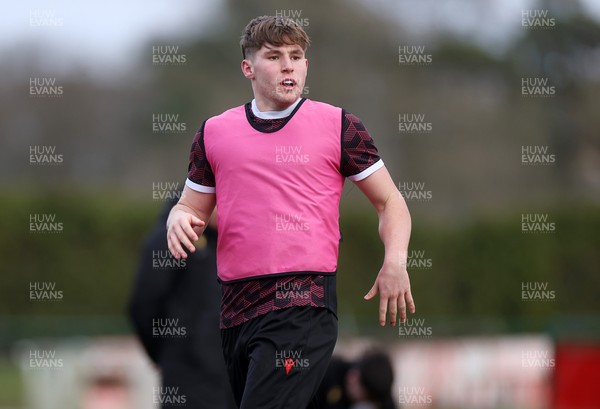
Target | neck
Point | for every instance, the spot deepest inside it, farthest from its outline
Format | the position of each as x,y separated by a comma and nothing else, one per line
270,114
265,105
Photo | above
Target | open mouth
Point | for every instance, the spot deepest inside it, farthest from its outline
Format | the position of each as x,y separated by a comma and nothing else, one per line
288,82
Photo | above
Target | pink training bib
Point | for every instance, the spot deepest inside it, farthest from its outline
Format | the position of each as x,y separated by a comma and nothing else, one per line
278,193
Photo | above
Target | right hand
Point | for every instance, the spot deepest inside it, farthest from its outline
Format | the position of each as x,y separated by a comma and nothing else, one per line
180,230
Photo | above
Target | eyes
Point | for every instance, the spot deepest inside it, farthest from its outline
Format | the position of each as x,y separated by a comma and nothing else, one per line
276,57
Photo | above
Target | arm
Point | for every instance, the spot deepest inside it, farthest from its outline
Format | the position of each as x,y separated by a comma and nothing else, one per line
187,219
151,288
392,282
149,294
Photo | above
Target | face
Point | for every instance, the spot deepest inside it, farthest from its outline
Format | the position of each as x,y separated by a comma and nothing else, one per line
356,392
278,74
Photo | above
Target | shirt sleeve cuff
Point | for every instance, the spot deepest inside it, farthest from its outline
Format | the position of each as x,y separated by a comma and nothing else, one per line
199,188
367,172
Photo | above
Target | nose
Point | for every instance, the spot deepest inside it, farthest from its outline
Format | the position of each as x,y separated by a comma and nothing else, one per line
286,64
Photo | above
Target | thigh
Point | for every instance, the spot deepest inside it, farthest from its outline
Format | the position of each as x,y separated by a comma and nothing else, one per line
236,359
289,351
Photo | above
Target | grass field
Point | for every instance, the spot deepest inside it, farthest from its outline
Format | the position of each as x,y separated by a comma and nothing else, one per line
11,386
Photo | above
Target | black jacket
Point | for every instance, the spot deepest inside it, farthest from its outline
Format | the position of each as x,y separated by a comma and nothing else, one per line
174,308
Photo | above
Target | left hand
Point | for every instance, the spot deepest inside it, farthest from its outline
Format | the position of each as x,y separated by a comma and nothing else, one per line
393,286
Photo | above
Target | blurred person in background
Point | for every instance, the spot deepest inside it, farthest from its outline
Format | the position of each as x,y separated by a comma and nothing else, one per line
188,355
279,163
110,390
364,384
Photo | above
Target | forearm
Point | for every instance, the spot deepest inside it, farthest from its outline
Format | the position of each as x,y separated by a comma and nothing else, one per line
392,282
394,229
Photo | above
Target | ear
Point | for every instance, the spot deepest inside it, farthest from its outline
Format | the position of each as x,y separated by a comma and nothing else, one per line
247,69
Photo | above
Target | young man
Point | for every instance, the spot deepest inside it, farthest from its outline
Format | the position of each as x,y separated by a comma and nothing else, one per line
275,167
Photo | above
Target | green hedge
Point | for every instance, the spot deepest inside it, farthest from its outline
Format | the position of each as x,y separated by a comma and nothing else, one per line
476,270
91,260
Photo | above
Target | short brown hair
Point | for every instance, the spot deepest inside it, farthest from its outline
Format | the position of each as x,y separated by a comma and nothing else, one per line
276,30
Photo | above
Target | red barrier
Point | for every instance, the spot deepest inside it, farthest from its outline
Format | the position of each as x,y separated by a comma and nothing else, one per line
577,376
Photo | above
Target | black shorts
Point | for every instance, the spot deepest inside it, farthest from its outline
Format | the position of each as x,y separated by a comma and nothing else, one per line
278,360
